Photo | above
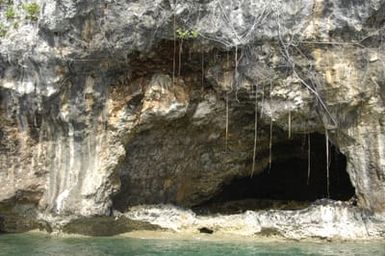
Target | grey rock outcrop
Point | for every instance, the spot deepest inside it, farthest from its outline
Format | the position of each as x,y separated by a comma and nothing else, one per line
330,221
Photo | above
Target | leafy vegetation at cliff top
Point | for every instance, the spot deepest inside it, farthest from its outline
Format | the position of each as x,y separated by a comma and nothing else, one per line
10,13
6,2
186,34
32,10
3,30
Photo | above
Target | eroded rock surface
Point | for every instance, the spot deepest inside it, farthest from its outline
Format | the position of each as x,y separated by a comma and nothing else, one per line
108,105
323,220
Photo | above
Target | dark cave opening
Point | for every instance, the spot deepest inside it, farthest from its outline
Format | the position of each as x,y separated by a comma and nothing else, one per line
285,185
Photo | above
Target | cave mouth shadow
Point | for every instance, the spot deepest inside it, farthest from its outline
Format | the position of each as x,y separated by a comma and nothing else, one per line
285,185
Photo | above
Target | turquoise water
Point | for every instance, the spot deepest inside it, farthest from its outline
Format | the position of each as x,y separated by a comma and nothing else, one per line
35,244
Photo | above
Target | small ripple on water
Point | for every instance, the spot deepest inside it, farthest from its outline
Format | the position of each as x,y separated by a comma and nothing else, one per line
38,244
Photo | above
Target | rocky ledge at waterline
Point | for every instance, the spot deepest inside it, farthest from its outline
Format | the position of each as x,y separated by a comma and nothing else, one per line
324,219
105,106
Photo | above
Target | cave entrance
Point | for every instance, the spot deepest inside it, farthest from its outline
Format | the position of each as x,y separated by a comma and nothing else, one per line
285,185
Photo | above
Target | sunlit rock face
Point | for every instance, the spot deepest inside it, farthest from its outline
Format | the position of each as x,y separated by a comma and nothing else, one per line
108,105
323,220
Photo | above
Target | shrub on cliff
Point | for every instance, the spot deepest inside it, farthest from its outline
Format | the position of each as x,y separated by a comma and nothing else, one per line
10,13
32,10
3,30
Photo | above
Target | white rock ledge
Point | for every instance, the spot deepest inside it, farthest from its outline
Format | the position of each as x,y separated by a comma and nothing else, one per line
325,219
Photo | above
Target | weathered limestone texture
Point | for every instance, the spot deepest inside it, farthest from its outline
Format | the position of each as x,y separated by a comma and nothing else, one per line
324,220
107,104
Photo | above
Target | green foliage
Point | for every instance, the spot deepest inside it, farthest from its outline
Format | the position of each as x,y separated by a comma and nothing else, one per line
185,34
10,13
182,34
194,34
6,2
32,10
3,30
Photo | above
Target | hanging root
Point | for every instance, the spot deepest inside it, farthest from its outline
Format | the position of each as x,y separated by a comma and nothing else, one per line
203,68
289,125
263,99
173,59
255,133
227,119
236,75
180,56
327,163
271,132
308,160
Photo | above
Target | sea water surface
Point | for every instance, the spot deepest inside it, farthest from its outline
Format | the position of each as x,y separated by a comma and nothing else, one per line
39,244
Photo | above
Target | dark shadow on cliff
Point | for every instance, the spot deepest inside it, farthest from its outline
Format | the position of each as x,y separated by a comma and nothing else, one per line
285,185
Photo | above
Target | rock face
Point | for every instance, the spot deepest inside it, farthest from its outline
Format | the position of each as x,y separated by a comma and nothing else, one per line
107,105
325,220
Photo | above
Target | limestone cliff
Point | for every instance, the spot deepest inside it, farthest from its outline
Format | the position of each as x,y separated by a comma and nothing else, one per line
110,104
